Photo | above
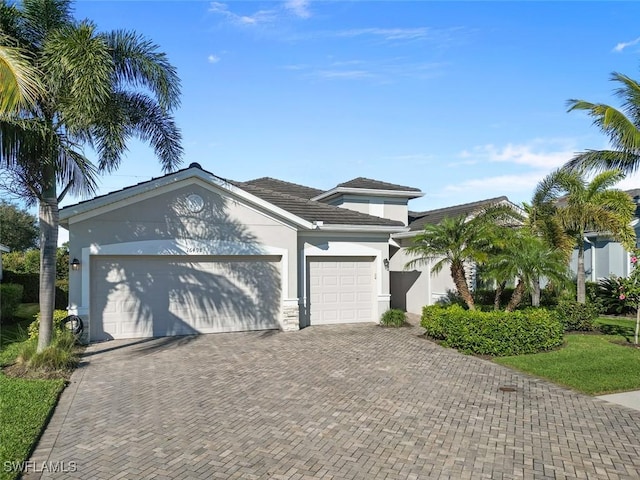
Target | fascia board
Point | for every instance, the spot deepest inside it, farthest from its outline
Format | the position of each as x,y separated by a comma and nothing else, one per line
368,191
360,228
86,210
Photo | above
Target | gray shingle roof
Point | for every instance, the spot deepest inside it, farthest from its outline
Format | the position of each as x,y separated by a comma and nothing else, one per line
417,220
368,183
285,187
312,210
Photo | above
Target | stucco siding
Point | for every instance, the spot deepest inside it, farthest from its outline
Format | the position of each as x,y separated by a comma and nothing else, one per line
164,224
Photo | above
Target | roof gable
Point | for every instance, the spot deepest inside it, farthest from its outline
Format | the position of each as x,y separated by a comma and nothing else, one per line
417,220
293,207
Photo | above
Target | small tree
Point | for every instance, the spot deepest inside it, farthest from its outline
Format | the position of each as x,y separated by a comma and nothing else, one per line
18,228
629,292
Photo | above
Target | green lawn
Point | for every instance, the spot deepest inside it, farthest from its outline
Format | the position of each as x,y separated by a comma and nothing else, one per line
593,364
25,405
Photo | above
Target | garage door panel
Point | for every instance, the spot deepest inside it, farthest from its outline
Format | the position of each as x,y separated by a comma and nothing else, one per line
158,296
341,290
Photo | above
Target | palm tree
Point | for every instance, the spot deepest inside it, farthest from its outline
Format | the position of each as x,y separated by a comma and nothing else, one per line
620,125
460,241
580,207
99,90
528,259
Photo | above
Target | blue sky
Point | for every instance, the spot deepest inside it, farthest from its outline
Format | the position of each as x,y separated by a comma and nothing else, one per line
463,100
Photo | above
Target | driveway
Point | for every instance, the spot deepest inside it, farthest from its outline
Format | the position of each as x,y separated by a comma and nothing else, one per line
339,402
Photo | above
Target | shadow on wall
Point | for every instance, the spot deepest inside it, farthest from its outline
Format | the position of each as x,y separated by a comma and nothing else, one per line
178,294
400,284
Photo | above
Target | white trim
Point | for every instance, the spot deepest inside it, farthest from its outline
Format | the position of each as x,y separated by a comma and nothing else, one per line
85,210
362,228
181,247
369,191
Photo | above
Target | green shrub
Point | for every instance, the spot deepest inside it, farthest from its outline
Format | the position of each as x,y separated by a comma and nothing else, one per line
10,298
496,333
62,294
577,317
607,294
58,316
30,282
61,354
393,318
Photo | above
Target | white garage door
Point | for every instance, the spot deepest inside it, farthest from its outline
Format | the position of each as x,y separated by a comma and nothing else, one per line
341,289
156,296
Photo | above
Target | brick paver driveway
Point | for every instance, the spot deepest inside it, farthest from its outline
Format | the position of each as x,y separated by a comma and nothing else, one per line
350,401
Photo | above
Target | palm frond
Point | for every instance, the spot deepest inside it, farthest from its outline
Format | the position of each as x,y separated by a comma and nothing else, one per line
20,86
600,160
139,63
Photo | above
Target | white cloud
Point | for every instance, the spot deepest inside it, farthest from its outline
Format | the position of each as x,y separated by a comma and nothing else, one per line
300,8
213,58
536,154
622,45
344,74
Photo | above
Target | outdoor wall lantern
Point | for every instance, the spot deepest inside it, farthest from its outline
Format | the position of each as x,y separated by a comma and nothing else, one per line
75,264
386,263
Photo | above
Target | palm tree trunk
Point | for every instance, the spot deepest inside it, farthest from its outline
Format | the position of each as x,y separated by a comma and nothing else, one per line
460,281
535,294
516,297
496,300
581,287
48,217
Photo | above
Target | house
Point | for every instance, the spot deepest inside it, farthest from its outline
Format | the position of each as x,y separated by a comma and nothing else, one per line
190,252
603,256
3,249
412,289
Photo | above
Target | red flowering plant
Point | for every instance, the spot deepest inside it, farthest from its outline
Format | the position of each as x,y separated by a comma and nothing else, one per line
629,289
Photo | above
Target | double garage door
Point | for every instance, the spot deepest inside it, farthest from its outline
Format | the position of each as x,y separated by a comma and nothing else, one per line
154,296
341,289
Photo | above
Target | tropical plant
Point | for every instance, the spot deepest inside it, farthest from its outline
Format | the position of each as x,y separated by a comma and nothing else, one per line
528,259
99,90
580,206
459,242
620,125
19,81
629,291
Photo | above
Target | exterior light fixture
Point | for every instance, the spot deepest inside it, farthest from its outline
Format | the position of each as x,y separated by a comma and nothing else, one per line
75,264
386,263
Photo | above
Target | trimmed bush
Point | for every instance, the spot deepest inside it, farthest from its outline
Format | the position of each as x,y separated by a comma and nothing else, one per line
60,355
10,298
393,318
493,333
58,316
30,282
577,317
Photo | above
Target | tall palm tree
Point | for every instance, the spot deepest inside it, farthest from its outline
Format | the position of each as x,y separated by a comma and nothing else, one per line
99,90
460,241
528,258
580,207
620,125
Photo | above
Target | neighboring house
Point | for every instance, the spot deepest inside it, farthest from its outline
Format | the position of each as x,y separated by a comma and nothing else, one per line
603,256
411,289
190,252
3,249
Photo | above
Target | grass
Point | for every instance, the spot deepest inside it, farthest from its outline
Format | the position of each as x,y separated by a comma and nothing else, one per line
25,404
592,364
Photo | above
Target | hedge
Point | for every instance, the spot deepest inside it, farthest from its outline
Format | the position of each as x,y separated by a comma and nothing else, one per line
576,316
58,316
496,333
10,298
31,285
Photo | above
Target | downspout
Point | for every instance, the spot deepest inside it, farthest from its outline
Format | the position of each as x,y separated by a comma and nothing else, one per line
593,258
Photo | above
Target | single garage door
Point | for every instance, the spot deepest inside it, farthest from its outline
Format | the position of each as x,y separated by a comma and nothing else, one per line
156,296
341,289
